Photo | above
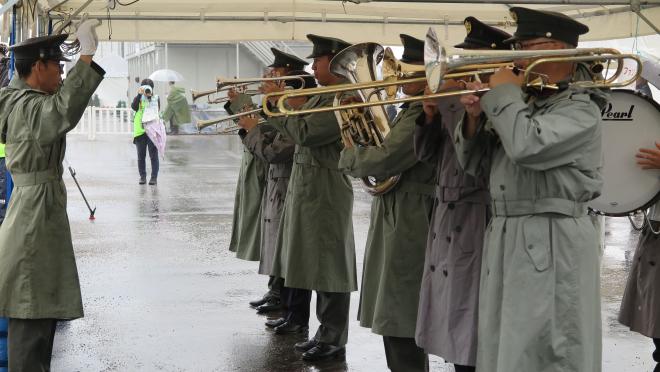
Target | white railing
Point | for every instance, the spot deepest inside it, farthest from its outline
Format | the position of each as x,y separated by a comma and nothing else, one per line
98,120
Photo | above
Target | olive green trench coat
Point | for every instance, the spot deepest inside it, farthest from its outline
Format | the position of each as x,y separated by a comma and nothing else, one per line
539,299
315,247
394,255
38,274
277,150
246,226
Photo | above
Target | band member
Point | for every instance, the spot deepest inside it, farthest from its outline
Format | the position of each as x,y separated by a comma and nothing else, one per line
316,249
394,256
639,309
447,318
539,301
276,149
246,235
38,277
271,301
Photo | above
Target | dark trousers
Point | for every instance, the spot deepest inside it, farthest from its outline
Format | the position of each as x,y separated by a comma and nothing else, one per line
403,355
275,285
332,311
3,189
30,344
142,143
460,368
297,303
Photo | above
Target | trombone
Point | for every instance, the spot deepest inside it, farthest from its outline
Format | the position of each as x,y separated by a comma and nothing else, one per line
439,66
223,85
206,123
199,94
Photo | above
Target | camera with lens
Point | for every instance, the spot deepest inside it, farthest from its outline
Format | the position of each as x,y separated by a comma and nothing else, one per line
147,89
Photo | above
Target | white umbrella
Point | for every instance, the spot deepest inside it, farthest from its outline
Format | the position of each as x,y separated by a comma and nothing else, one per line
166,75
651,69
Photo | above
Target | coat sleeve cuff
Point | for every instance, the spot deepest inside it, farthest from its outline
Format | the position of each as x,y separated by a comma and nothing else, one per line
499,98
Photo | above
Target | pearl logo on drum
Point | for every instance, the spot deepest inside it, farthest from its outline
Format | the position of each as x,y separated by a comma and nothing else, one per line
608,114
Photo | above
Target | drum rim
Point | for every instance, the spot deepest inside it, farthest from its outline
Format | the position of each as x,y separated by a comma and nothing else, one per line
657,195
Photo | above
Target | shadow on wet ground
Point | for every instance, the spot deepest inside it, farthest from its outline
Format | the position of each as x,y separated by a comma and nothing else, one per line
162,292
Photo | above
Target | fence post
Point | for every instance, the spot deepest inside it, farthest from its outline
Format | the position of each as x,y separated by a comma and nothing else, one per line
93,122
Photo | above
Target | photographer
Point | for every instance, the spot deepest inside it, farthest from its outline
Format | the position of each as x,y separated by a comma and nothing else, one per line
145,109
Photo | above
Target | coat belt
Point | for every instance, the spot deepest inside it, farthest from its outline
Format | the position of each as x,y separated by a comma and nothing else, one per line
35,178
320,163
511,208
416,188
464,194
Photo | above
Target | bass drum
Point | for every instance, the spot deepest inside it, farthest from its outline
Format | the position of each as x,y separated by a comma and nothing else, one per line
630,121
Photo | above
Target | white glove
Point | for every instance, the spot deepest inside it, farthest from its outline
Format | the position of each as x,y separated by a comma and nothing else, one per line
86,35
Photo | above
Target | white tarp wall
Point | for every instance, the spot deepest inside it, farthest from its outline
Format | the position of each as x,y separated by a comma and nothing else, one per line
230,21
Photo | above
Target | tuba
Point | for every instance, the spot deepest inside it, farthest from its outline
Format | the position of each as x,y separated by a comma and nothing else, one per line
363,127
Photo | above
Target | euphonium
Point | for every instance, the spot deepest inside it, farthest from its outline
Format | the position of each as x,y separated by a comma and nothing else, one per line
369,127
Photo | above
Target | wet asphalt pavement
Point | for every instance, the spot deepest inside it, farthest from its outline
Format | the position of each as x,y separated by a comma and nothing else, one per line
163,293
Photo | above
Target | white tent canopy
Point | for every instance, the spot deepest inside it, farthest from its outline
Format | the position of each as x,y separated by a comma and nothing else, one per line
355,20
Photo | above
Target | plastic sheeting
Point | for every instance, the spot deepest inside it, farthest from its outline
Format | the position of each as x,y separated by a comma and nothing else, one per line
232,21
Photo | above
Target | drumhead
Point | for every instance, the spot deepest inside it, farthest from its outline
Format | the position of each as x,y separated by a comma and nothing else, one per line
630,121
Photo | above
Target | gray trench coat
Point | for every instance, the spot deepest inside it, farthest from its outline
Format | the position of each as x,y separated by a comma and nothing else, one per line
394,255
276,149
246,229
448,304
315,245
539,299
38,273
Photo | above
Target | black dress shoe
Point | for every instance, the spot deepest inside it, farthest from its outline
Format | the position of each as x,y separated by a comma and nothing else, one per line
273,323
259,302
305,345
274,304
290,327
142,180
323,352
153,181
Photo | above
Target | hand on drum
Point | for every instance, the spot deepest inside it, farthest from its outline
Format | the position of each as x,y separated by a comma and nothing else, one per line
649,158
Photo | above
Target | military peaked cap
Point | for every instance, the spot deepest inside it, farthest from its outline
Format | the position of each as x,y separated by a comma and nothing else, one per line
291,61
43,47
552,25
480,35
413,49
324,46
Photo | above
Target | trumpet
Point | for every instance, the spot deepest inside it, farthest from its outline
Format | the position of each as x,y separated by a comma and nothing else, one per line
438,66
223,84
205,123
199,94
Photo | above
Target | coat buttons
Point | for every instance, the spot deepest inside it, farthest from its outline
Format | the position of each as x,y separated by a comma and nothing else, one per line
444,272
449,239
432,268
433,236
451,206
458,229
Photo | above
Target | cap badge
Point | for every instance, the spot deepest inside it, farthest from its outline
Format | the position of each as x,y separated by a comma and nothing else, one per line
468,26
